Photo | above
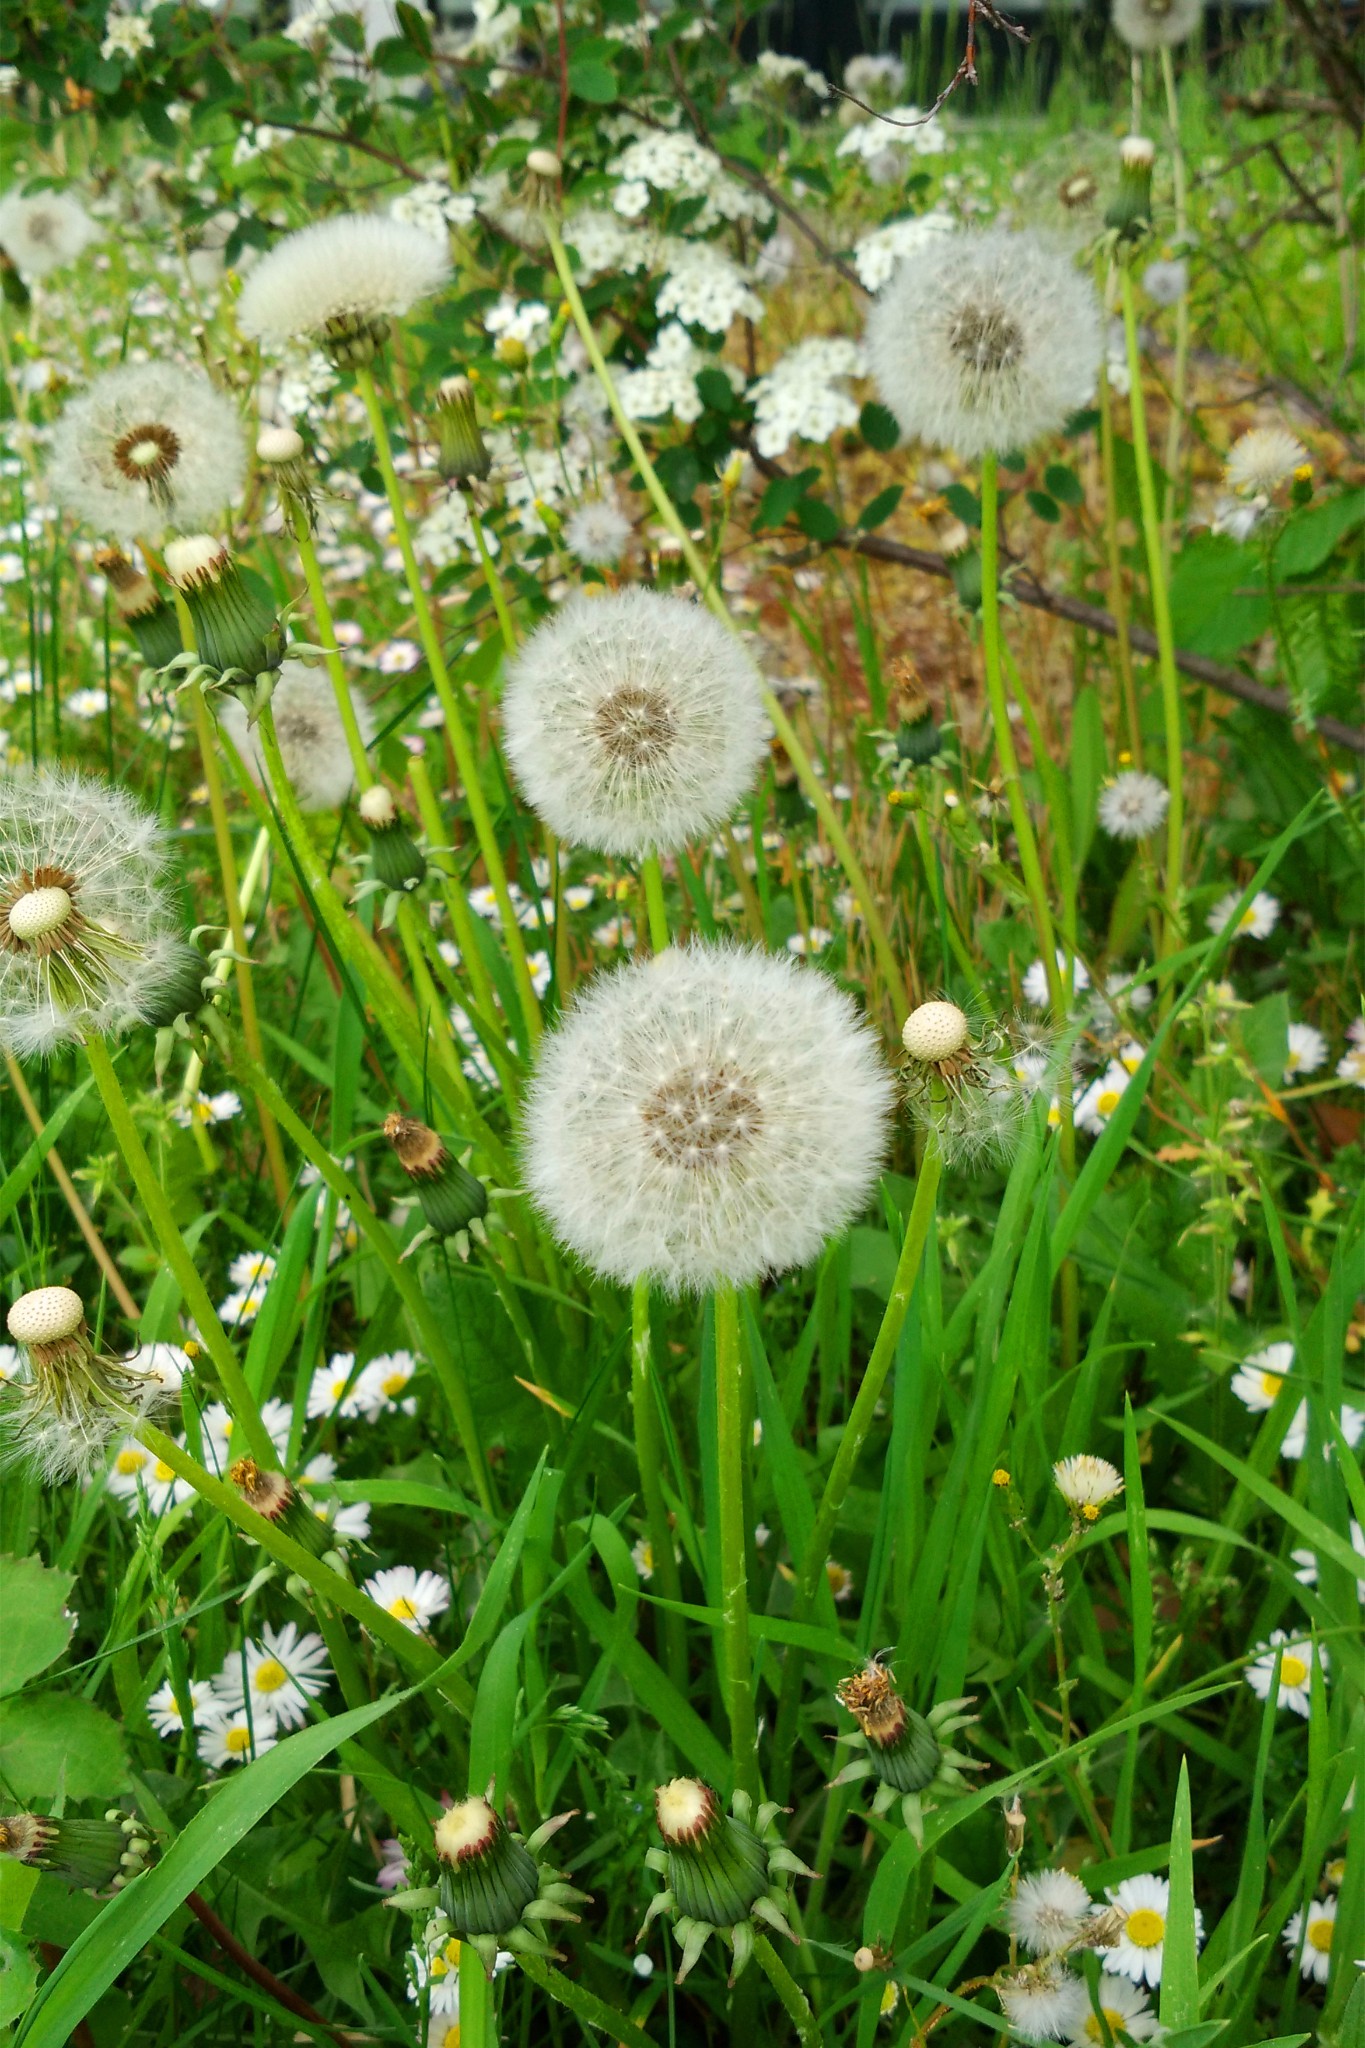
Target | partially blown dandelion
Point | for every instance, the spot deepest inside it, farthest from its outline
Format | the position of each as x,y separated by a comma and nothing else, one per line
88,942
309,729
146,448
705,1117
985,340
971,1089
74,1405
633,722
339,283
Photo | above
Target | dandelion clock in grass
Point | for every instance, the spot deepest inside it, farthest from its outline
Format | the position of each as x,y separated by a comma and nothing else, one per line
339,283
43,231
705,1117
985,340
311,736
1157,24
633,722
145,448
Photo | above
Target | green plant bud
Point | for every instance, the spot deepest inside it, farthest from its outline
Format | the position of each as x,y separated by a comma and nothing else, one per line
15,292
234,628
182,993
450,1196
903,1749
277,1500
1131,210
398,861
717,1866
493,1890
917,740
461,453
966,574
89,1855
143,610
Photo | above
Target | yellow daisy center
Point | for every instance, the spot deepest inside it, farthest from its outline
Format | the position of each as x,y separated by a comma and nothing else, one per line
451,2037
1319,1936
1108,1102
130,1461
394,1385
1247,919
1271,1384
1113,2020
1293,1670
1089,1512
162,1473
270,1676
451,1952
402,1608
1145,1928
237,1741
338,1389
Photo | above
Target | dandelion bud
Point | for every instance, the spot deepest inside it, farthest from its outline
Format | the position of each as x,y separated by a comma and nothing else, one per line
904,1751
235,630
89,1855
722,1871
1131,211
143,610
276,1500
461,452
398,861
493,1890
452,1199
543,173
73,1404
917,736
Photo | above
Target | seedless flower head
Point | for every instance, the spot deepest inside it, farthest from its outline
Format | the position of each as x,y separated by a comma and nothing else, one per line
1134,805
1262,460
1087,1484
146,448
633,722
965,1084
43,231
88,939
985,340
905,1753
1157,24
308,727
73,1405
340,282
704,1117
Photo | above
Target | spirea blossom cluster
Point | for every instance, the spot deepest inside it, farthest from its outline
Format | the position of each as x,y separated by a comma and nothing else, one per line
805,395
671,162
705,288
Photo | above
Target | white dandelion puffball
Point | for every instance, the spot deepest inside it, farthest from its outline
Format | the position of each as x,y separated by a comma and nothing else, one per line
633,722
1133,805
89,943
598,532
145,448
308,727
340,277
704,1117
985,340
1263,459
1048,1911
1157,24
43,231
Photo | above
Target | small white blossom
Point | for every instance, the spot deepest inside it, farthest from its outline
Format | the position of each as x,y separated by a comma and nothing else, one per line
1133,805
1257,921
1296,1671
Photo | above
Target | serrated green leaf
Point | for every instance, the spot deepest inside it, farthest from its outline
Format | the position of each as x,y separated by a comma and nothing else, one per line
51,1739
37,1626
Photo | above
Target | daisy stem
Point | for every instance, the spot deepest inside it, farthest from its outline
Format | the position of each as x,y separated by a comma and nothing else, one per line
1165,640
476,2000
652,875
1176,423
793,1998
177,1254
649,1458
734,1588
465,759
711,596
331,653
491,577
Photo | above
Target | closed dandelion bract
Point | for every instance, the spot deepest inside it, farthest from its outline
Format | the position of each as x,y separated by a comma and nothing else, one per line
88,940
633,722
43,231
985,340
1157,24
711,1115
146,448
310,733
341,281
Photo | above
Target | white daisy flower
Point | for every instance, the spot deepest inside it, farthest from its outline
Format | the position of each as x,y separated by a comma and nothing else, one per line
1035,981
340,282
43,231
1257,1381
282,1673
412,1597
1037,2000
1351,1067
1257,921
1157,24
1097,1103
336,1389
985,340
147,447
208,1109
1296,1671
230,1738
1048,1911
168,1363
137,1477
1316,1961
1262,460
222,1439
1307,1050
441,1970
349,1521
238,1310
252,1269
1127,2012
1145,1903
383,1385
1133,805
163,1708
1086,1484
1307,1562
312,739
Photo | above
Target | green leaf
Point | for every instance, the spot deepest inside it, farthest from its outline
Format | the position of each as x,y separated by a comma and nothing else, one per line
1207,614
1064,484
819,520
1310,536
129,1921
1180,1960
415,26
781,496
37,1626
1317,1534
52,1738
594,80
1045,507
879,427
717,390
965,503
881,507
18,1975
16,1183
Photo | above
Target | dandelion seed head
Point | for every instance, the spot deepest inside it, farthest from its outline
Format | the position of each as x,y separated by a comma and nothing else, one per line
1048,1911
43,231
1157,24
147,447
1263,459
312,739
1037,2000
597,532
340,282
1134,805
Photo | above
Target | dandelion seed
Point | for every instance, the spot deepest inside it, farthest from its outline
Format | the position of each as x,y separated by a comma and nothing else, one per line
1257,921
147,447
311,736
1048,1911
1127,2014
1133,805
985,341
1087,1484
66,1413
43,231
633,722
1315,1929
339,283
706,1116
1157,24
1262,460
1296,1671
1145,1904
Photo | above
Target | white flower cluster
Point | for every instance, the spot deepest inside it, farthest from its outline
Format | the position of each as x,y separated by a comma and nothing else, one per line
447,533
526,321
705,288
872,76
804,396
433,207
875,256
672,162
603,242
868,139
772,71
668,381
306,382
125,35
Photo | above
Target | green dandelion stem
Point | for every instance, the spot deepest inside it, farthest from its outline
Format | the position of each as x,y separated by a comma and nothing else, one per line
1165,639
1118,590
466,761
1176,424
477,2016
251,882
593,2011
177,1254
786,731
649,1458
789,1991
331,653
652,875
734,1586
491,576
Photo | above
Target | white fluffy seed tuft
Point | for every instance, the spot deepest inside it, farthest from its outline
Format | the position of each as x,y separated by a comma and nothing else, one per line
705,1117
935,1031
1157,24
985,340
147,447
355,267
633,722
45,1315
312,738
43,231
